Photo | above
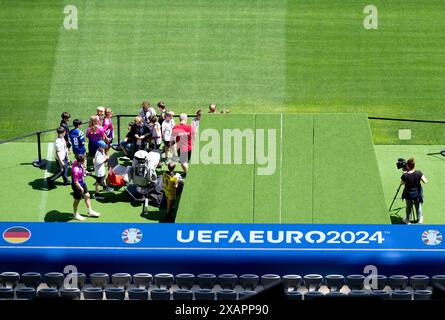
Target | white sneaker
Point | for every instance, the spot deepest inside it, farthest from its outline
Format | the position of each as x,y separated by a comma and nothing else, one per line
406,221
420,220
93,213
77,216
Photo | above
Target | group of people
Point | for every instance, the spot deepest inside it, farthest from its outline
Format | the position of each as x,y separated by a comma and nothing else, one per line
100,135
149,131
153,130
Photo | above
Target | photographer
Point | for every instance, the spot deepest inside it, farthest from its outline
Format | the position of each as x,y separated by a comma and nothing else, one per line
413,193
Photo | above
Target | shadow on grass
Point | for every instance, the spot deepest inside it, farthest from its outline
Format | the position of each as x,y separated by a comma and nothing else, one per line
116,197
159,215
41,185
395,217
51,164
440,157
57,216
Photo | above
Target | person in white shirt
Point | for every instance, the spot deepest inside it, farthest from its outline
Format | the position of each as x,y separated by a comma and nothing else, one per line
196,119
167,129
62,159
155,131
99,161
146,111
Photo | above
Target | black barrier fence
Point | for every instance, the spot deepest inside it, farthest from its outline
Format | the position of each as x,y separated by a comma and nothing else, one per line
119,118
40,162
406,120
407,131
434,134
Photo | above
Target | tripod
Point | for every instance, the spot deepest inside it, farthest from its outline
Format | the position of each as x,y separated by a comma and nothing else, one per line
395,197
414,212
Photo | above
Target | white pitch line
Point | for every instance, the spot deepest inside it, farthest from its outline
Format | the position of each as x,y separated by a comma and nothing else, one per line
44,196
281,158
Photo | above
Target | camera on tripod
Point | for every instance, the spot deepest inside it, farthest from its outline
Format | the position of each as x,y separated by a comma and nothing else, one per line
401,164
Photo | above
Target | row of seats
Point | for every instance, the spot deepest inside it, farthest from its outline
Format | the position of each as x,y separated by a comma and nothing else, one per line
357,281
141,280
379,294
226,281
231,286
115,293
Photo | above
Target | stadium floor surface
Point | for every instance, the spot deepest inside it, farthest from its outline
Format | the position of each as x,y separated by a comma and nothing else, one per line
315,178
26,198
267,56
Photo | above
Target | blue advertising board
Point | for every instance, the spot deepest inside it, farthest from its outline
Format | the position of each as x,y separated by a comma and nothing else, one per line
238,248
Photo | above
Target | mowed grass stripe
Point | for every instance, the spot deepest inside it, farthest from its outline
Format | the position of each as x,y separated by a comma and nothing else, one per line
21,197
335,65
297,169
28,40
267,187
187,55
219,192
347,186
248,56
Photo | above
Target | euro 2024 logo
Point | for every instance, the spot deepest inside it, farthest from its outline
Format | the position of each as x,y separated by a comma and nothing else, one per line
432,237
132,236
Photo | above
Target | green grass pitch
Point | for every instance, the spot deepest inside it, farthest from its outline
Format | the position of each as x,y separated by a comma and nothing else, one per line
233,193
326,172
248,56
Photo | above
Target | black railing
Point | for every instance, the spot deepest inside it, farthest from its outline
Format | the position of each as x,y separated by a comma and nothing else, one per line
406,120
40,162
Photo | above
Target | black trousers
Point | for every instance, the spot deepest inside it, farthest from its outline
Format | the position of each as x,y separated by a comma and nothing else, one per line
61,171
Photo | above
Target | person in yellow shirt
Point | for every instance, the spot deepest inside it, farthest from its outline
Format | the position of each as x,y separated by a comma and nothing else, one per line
171,181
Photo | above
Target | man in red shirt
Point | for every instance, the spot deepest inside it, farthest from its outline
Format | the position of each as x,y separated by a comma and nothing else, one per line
183,134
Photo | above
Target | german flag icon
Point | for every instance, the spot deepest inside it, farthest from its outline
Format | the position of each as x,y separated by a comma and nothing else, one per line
16,235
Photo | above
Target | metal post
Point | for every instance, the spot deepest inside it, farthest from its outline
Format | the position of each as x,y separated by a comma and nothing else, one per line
39,163
117,146
118,129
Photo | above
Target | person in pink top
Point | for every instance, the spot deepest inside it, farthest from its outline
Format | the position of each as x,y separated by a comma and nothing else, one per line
80,188
107,124
94,133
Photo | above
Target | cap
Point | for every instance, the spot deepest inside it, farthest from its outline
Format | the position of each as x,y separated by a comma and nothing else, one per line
102,144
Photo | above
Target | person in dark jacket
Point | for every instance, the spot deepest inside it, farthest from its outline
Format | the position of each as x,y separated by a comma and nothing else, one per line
413,193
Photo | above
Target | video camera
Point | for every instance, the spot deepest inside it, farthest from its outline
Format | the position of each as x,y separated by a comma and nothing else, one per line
401,164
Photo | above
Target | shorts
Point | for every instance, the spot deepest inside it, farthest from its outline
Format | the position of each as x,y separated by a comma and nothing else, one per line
100,180
76,193
155,146
170,195
76,154
168,143
182,156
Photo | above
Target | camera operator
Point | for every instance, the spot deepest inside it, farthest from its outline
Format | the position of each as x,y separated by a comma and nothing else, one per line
413,193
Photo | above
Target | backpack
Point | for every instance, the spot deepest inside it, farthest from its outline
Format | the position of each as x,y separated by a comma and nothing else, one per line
115,180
